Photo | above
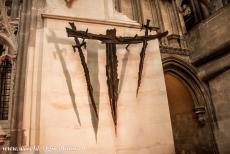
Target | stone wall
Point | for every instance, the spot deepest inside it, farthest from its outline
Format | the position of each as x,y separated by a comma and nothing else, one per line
209,42
56,109
211,37
220,90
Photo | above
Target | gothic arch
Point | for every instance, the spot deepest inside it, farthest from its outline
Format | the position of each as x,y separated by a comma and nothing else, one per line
187,74
198,89
7,65
4,39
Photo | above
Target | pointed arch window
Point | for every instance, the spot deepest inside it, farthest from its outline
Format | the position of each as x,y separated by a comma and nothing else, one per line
5,80
5,84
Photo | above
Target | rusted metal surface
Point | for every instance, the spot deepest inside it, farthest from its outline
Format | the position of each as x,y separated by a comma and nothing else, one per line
141,65
85,67
142,54
113,39
112,76
111,58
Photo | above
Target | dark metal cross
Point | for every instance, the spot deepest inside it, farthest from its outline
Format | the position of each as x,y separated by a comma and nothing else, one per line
111,58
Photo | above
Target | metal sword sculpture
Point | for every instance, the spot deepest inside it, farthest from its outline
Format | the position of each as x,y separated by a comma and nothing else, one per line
111,58
84,65
112,76
142,54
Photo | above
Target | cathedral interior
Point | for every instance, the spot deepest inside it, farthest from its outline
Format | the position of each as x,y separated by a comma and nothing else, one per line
194,56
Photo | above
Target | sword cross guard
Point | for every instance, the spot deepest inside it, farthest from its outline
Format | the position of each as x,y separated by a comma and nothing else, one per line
147,27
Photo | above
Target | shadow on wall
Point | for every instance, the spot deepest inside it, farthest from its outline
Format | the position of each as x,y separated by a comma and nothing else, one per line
54,39
93,66
123,67
93,49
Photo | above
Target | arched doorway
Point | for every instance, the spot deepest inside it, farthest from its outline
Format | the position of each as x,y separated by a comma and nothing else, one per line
186,131
190,116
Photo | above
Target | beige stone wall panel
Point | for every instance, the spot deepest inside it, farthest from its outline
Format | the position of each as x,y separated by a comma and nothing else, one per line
59,86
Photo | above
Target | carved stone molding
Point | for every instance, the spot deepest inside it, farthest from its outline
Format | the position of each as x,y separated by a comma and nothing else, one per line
176,51
7,57
200,113
3,138
7,30
87,20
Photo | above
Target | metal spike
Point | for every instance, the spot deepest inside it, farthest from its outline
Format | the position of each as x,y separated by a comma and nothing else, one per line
74,48
129,44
